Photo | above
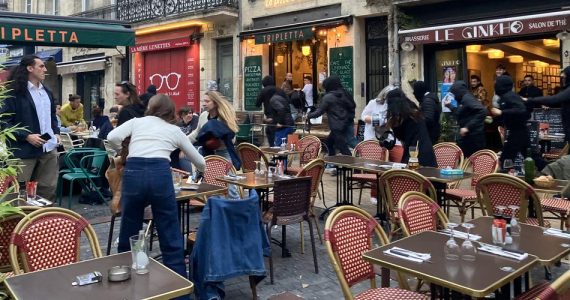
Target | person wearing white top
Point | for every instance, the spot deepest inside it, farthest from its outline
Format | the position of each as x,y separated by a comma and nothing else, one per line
308,91
147,178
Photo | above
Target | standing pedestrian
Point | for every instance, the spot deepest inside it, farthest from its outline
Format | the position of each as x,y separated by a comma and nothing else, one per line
430,108
470,115
269,88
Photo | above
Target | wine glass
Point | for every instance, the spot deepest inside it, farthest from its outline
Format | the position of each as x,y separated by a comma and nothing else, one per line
515,225
451,248
468,251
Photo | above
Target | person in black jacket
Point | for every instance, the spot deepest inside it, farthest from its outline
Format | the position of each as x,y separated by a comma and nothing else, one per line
562,99
431,109
470,115
264,96
409,127
30,106
282,121
339,107
512,113
150,91
126,95
529,90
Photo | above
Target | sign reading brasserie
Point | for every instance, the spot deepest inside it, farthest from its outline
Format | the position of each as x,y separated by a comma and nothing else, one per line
252,81
552,22
284,35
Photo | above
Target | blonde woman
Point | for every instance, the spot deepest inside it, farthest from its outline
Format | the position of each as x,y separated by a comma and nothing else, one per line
216,131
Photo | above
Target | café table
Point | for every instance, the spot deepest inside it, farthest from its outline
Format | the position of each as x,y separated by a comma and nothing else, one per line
278,154
159,283
440,182
261,184
475,279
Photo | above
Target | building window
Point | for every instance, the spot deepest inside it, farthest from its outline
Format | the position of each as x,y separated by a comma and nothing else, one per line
85,5
52,7
224,59
28,6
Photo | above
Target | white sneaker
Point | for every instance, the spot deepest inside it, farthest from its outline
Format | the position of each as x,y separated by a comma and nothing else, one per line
373,200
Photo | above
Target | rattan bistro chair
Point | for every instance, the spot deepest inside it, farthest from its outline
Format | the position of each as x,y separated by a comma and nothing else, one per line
349,232
217,166
315,170
503,190
419,213
249,154
48,238
448,155
7,226
395,183
559,289
310,148
370,150
291,202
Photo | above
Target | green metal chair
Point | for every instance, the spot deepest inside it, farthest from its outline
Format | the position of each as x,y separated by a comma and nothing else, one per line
90,167
244,133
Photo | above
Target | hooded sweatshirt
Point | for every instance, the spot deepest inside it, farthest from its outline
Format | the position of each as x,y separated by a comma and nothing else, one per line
337,104
514,113
431,109
470,112
265,94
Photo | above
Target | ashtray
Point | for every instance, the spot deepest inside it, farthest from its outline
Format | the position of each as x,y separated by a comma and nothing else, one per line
119,273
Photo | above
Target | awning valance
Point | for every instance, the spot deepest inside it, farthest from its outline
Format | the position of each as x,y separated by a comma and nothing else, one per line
59,31
52,54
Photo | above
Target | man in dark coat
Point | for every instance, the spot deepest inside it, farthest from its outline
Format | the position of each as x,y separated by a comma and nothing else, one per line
512,113
263,98
339,107
562,99
470,117
431,109
529,90
150,91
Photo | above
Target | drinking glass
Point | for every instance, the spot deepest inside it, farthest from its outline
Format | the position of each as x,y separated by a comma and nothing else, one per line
508,164
413,151
139,251
515,225
451,248
468,251
176,181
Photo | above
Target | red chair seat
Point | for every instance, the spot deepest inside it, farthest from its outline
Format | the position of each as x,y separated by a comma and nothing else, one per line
533,221
389,294
464,195
364,177
537,291
556,205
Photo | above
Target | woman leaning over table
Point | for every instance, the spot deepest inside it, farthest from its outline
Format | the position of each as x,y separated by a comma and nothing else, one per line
216,131
147,178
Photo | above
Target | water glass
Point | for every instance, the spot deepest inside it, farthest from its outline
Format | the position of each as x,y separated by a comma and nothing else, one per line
451,248
468,250
515,225
176,181
139,251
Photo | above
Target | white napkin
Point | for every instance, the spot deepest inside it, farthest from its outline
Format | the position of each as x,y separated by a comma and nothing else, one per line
408,255
236,177
462,235
557,232
498,251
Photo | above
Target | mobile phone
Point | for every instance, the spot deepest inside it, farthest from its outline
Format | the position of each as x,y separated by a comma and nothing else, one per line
45,136
88,278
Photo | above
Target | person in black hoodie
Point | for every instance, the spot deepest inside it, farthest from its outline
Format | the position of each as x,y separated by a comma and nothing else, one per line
431,109
263,98
150,91
282,120
339,106
512,113
126,95
562,99
470,115
409,127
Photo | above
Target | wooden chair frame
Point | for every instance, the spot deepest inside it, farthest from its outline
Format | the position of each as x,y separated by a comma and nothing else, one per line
459,160
314,193
367,181
251,147
409,196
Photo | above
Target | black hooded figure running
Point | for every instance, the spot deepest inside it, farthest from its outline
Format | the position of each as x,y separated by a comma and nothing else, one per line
264,96
339,106
470,117
431,109
562,99
512,113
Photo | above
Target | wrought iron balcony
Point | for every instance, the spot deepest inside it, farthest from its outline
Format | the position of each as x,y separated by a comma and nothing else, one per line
142,10
108,12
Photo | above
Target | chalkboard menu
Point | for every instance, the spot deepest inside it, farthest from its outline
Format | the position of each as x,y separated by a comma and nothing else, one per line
252,81
341,64
553,118
533,131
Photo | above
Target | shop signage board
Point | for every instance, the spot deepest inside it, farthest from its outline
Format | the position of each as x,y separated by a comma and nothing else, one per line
303,33
553,117
252,81
341,64
491,29
161,45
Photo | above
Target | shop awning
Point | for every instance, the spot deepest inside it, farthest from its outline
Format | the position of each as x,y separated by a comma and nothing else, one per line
63,31
53,54
81,66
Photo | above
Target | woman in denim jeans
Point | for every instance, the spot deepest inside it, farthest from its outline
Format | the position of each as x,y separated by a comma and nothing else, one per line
147,179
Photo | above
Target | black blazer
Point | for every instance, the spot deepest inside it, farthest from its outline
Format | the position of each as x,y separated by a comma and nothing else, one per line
19,110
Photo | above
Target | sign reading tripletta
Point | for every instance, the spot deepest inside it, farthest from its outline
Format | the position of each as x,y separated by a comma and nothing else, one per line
550,22
38,35
297,34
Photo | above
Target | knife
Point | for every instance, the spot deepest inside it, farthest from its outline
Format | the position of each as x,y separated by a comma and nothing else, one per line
512,251
401,253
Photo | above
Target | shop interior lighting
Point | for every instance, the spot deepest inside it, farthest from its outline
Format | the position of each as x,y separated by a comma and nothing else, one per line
515,59
473,48
280,58
539,64
495,54
551,42
306,50
250,41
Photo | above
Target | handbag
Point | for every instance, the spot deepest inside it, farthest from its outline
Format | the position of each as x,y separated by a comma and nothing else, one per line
114,175
386,139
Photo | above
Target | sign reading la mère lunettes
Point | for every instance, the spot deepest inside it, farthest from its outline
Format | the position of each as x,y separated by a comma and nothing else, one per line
551,22
297,34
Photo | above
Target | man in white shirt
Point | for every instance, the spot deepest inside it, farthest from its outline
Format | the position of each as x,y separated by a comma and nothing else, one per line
308,90
31,106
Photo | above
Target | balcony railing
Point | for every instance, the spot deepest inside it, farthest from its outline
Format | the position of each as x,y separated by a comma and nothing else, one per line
108,12
142,10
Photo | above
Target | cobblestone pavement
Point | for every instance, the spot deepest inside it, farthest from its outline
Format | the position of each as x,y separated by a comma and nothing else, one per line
294,274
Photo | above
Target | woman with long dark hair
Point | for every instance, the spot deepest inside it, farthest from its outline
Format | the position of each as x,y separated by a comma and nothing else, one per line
132,106
147,178
408,125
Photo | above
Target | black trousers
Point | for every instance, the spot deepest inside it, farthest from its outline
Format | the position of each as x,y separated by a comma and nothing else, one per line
471,143
337,140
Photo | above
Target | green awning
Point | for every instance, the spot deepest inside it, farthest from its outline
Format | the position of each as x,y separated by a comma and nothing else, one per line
68,33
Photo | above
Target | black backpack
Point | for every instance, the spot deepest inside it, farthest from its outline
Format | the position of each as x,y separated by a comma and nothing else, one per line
297,98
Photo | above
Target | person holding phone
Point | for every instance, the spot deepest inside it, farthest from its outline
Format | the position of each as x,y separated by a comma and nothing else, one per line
30,106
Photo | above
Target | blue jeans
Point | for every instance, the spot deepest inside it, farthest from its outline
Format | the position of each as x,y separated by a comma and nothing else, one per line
148,181
351,140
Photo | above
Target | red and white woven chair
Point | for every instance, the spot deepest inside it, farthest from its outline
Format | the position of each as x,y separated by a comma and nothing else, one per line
249,154
349,232
48,238
419,213
557,290
315,170
370,150
217,166
8,182
310,148
559,208
7,226
480,163
448,155
503,190
395,183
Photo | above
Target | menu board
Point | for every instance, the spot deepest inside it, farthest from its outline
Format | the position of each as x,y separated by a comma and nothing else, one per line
553,117
533,131
341,65
252,81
